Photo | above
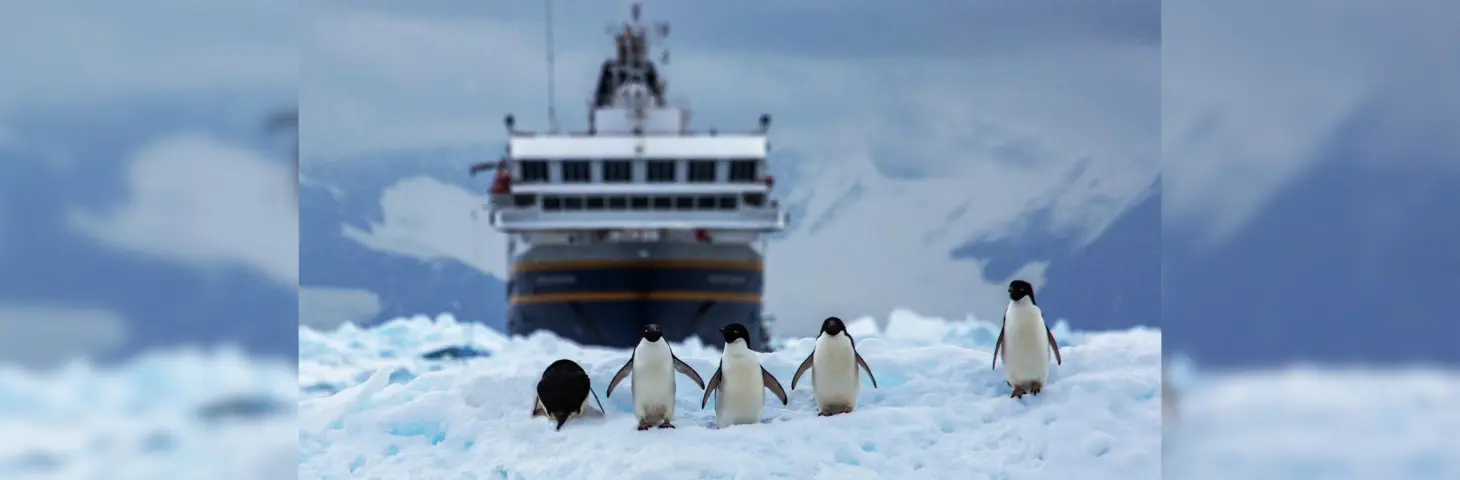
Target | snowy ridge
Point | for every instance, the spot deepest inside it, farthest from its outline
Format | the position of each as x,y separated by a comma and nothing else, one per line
164,416
940,412
1302,422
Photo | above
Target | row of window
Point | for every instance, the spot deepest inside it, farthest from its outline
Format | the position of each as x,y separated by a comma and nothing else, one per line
683,202
622,171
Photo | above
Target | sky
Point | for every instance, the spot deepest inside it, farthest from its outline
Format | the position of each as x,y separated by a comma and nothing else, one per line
931,127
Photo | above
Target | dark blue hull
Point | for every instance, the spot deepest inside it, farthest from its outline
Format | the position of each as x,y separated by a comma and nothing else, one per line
607,302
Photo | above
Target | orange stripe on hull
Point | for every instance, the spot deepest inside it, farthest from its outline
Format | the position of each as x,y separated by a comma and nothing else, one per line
632,296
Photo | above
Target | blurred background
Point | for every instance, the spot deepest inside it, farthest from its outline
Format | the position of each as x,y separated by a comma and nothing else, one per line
1310,171
148,239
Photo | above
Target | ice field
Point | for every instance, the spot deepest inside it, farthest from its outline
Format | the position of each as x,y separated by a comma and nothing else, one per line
371,408
161,417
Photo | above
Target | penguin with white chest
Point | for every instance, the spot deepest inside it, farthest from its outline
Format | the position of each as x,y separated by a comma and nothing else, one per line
562,393
739,384
1026,342
653,365
833,364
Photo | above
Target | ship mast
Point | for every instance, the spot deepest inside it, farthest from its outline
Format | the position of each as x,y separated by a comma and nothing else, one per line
552,83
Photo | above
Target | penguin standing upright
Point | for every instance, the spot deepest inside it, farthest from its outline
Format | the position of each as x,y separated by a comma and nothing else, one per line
740,381
834,362
653,365
563,392
1026,342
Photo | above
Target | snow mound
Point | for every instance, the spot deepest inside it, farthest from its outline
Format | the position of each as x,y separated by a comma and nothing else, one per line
378,411
1314,423
196,415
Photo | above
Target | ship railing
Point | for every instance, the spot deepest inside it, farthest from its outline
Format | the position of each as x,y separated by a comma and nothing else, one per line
746,219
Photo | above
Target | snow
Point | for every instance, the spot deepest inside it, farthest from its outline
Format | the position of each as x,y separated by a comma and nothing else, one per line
371,408
1308,422
177,415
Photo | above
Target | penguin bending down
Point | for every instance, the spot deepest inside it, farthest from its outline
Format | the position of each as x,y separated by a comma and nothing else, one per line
653,365
833,363
1026,342
741,381
563,392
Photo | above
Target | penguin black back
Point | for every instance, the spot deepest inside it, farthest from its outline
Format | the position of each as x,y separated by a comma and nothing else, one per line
1019,289
563,390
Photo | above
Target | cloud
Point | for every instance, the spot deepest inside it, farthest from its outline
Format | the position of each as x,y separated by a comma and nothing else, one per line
324,308
902,146
40,336
1251,91
74,53
206,204
430,220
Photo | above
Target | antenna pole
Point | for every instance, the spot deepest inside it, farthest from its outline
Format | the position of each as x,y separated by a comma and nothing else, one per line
552,84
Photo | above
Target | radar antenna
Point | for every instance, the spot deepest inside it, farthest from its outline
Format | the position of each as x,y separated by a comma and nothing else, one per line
552,83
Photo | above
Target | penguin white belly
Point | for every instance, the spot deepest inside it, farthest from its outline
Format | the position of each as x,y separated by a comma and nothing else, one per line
834,376
653,386
741,399
1026,348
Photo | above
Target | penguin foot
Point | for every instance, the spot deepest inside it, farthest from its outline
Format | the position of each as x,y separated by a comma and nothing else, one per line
666,425
825,414
1018,392
846,410
644,426
1035,387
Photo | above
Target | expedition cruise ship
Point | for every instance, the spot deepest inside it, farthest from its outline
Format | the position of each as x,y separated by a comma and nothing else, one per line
636,220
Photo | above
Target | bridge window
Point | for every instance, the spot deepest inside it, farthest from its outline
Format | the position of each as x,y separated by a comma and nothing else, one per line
618,171
534,171
577,171
595,203
639,203
705,203
742,171
552,203
684,203
573,203
727,202
618,203
702,171
661,171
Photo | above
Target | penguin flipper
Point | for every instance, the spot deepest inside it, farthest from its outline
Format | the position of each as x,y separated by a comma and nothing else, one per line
774,385
685,369
619,377
997,344
599,402
537,409
805,365
863,363
714,383
1054,346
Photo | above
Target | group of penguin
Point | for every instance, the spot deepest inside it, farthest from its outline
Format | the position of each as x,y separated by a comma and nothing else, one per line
740,382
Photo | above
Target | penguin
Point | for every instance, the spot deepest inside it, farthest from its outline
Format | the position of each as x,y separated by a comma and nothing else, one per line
1026,342
741,381
835,360
653,365
563,392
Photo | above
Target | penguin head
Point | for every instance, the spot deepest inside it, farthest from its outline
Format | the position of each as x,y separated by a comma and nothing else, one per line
652,333
833,326
735,331
1019,289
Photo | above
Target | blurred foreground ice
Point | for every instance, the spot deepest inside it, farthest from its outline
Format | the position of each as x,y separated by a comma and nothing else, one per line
1311,423
178,415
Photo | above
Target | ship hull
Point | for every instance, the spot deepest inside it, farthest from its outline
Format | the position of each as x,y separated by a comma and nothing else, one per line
603,295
